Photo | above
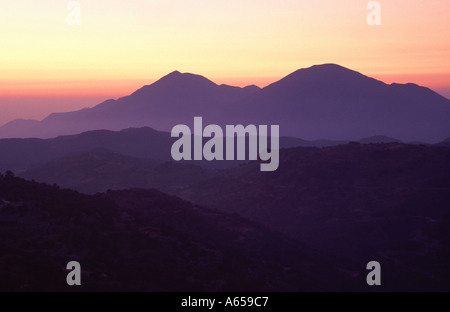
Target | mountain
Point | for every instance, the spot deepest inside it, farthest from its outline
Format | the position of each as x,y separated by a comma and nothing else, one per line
19,155
333,102
378,139
99,170
381,176
352,203
358,202
287,142
19,128
445,143
174,99
102,170
145,240
321,102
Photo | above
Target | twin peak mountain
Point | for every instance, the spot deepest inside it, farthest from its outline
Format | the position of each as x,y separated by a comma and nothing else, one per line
321,102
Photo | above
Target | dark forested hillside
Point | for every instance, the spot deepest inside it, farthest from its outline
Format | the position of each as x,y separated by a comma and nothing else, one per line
385,201
144,240
349,204
101,170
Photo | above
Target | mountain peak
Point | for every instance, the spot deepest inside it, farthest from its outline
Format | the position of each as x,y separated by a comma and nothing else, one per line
175,73
330,69
329,66
186,79
325,76
176,80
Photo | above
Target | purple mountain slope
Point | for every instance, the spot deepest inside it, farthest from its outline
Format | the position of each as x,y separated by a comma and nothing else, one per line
330,101
321,102
171,100
19,128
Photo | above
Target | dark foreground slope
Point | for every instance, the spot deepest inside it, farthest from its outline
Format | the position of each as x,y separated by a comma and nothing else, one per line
102,170
352,203
144,240
389,202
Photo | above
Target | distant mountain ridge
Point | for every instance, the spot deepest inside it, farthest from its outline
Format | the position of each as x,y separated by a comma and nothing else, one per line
98,170
171,100
143,143
321,102
20,155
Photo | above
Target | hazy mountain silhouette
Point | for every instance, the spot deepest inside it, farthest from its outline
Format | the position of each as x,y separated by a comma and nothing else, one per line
321,102
19,154
19,128
22,154
330,101
174,99
101,169
378,139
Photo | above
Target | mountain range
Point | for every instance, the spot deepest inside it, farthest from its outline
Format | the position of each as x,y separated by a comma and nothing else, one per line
348,190
91,170
144,240
348,204
321,102
20,155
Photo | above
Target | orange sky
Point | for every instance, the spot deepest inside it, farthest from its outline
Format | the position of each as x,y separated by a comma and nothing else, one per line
122,45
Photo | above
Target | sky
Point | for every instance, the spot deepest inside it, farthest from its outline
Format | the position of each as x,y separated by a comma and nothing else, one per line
48,63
